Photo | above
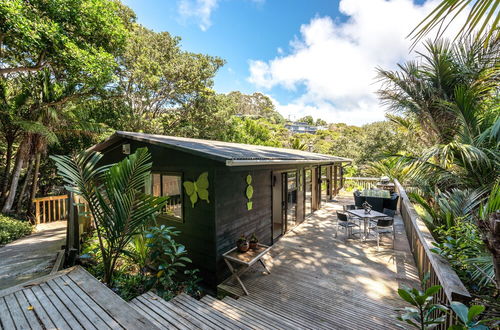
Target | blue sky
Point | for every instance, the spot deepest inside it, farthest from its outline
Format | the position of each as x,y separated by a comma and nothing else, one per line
315,57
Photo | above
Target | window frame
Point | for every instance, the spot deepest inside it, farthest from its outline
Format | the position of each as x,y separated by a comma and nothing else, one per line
165,216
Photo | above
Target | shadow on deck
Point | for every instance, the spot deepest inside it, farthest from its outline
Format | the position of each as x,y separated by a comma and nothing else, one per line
329,282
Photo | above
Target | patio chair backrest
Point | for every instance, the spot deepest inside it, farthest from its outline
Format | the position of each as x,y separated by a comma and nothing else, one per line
385,222
389,212
342,216
349,207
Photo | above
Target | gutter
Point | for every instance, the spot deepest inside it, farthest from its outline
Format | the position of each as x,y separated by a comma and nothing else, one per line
249,162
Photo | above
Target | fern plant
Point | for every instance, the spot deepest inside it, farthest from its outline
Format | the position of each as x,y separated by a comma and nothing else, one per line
115,198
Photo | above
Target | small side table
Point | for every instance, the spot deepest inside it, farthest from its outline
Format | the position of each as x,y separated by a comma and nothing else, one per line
245,259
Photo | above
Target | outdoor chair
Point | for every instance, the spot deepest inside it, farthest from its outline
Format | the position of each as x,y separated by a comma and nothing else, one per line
377,203
384,226
343,221
392,203
351,207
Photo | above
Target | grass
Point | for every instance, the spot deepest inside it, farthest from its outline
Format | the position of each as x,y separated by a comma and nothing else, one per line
12,229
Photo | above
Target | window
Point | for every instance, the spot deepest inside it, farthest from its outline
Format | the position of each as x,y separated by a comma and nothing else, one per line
169,185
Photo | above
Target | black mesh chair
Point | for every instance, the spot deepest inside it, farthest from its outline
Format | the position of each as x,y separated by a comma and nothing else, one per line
377,203
351,207
343,221
358,199
389,212
382,227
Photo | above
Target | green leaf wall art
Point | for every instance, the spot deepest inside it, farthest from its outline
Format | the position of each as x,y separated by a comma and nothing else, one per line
198,189
249,192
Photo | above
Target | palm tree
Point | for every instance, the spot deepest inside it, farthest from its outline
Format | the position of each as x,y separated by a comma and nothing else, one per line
452,94
115,198
481,13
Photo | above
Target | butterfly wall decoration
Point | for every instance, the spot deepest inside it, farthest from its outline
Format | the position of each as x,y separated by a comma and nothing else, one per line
197,189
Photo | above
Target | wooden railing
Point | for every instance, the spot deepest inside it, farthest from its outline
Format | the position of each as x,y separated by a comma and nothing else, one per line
365,183
440,271
51,208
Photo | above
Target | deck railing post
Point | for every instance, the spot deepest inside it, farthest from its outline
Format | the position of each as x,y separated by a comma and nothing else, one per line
72,233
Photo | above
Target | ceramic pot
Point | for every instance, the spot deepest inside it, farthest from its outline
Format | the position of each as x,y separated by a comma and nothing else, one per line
253,245
243,246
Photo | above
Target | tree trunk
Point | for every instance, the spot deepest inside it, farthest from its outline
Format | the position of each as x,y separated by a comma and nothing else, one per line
15,179
34,184
494,244
25,185
8,160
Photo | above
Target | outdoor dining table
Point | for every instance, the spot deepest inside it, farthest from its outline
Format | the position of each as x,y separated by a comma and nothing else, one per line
245,260
360,213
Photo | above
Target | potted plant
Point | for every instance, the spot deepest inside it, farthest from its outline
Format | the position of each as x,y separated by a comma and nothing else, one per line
253,242
242,244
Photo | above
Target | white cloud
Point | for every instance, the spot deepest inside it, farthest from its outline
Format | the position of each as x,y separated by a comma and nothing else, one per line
336,62
199,10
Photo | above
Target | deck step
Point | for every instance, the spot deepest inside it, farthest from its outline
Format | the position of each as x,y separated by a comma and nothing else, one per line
204,312
276,320
167,314
256,319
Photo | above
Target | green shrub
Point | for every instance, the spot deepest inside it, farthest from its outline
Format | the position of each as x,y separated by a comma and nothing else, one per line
12,229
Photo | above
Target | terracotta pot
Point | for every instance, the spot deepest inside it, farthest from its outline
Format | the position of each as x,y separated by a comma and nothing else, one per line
243,246
253,245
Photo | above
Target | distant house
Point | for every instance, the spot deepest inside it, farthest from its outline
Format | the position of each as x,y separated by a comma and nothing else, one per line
288,185
300,127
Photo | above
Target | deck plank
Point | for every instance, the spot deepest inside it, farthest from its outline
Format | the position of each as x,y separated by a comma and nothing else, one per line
5,317
38,309
91,303
17,314
326,282
118,309
28,310
77,300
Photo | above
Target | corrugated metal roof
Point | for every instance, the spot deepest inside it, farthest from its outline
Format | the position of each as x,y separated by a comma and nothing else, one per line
233,154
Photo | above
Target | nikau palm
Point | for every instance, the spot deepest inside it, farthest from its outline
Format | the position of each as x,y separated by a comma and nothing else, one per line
115,198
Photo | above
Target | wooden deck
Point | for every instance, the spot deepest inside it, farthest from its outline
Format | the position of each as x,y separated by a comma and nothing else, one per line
70,299
328,283
316,282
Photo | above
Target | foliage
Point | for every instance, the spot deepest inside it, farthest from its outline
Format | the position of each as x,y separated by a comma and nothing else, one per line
451,96
481,14
12,229
464,248
152,261
467,316
421,314
197,189
113,194
75,35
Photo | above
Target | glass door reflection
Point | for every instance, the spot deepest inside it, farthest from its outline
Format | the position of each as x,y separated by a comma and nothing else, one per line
291,200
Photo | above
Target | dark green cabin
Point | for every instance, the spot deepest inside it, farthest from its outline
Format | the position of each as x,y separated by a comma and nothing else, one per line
288,185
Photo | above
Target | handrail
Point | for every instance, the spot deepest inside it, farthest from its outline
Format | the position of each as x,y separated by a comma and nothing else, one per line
421,243
50,208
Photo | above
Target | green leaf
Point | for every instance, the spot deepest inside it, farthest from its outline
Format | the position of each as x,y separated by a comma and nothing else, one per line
433,290
474,311
406,296
249,206
461,310
249,179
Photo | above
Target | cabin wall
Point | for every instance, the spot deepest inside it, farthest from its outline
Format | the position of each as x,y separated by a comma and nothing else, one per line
198,226
233,219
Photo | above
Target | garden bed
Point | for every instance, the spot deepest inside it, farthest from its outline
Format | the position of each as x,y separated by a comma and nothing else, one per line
12,229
